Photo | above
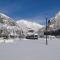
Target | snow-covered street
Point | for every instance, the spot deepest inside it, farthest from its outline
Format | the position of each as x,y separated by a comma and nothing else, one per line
30,50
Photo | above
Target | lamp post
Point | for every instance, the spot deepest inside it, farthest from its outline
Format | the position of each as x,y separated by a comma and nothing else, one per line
46,32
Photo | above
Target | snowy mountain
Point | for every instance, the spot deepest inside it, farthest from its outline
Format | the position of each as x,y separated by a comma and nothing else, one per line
6,20
57,17
4,16
25,25
11,27
55,21
8,25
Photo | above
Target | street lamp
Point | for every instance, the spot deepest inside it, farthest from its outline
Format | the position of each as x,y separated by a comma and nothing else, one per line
46,32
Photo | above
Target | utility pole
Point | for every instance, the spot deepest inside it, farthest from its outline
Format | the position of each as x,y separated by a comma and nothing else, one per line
46,32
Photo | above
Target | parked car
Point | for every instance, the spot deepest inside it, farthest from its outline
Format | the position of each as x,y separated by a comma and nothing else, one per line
32,36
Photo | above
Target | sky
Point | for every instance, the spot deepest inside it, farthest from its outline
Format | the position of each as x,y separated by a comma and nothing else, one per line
35,10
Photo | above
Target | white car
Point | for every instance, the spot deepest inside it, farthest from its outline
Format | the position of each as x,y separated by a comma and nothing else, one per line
32,36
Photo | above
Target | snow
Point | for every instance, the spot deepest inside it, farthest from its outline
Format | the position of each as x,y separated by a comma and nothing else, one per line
21,25
9,41
1,25
1,40
26,49
57,15
31,50
55,21
6,40
3,15
29,24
